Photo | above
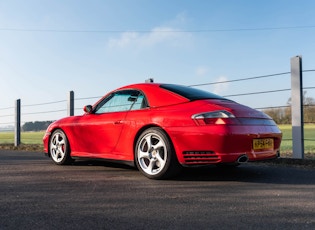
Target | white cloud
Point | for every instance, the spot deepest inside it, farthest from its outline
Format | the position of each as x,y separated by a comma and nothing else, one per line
169,33
151,38
125,39
221,87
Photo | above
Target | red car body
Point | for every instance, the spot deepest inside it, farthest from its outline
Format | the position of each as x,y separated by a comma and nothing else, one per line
202,128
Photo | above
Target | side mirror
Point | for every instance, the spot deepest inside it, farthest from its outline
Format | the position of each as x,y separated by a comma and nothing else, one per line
88,109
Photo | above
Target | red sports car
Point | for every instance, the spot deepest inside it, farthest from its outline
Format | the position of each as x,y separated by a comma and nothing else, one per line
161,127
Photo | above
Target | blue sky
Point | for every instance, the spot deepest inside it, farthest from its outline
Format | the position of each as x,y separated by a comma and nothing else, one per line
49,47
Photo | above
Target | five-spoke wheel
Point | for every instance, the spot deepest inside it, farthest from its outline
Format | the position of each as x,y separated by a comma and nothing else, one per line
59,148
154,154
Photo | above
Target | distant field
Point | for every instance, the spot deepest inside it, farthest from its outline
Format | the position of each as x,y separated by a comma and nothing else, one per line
26,137
286,145
309,136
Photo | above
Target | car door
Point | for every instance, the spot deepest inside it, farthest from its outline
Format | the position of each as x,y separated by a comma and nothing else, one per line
99,131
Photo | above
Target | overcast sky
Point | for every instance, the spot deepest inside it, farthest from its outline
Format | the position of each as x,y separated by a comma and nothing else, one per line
49,47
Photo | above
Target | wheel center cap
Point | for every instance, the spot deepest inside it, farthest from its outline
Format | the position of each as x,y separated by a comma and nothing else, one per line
152,153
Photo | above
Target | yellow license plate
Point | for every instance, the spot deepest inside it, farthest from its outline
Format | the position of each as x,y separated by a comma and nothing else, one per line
264,143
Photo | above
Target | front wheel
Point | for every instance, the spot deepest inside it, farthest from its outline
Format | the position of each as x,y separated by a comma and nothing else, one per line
154,154
59,148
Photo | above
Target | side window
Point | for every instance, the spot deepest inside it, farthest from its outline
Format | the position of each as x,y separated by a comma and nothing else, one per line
121,101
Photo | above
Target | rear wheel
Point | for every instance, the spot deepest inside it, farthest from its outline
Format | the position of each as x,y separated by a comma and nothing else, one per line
154,154
59,148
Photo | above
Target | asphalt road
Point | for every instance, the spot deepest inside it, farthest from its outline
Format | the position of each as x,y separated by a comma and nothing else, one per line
36,194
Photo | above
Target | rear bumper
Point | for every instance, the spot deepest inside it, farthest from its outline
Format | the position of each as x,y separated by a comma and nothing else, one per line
223,144
204,158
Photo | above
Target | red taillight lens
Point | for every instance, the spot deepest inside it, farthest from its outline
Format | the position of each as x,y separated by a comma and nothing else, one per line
221,117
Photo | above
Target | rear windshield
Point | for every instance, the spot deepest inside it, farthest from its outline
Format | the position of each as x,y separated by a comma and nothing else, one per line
191,93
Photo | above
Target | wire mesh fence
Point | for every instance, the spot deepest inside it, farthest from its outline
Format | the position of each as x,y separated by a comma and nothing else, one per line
53,110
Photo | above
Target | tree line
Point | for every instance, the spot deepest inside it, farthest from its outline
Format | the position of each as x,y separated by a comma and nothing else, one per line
36,126
283,115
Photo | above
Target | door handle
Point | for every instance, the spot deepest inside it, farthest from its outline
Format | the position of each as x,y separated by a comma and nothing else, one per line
118,122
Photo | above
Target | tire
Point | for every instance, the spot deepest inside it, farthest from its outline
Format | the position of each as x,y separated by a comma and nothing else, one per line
154,155
59,148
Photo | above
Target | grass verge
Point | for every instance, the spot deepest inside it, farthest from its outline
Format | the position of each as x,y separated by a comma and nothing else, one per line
23,147
31,141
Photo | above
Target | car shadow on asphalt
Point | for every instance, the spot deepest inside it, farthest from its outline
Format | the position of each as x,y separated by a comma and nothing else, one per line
91,162
249,172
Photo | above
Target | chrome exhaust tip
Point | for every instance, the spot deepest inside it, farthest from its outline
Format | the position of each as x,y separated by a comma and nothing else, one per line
242,159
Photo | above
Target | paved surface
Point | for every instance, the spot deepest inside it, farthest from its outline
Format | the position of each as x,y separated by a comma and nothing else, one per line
36,194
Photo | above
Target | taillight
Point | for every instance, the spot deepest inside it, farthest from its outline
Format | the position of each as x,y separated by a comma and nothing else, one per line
219,117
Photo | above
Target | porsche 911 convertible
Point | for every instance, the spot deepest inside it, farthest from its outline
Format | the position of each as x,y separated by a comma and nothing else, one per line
159,128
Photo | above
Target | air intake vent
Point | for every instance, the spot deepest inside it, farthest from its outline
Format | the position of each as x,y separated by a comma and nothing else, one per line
200,157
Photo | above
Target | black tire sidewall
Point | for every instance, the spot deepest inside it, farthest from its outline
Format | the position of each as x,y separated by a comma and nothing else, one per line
170,153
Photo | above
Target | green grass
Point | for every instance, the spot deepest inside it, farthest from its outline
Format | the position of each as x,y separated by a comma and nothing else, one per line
309,136
286,144
26,137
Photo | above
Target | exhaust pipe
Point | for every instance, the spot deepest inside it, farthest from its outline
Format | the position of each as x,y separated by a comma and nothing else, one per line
242,159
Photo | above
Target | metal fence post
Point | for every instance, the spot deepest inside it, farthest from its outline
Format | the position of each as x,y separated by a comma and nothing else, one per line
71,103
297,107
17,129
